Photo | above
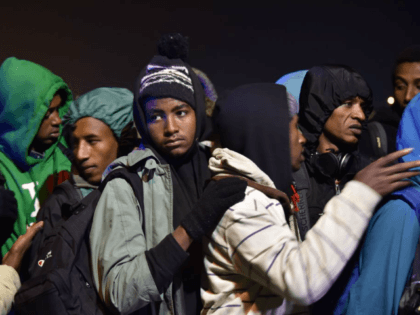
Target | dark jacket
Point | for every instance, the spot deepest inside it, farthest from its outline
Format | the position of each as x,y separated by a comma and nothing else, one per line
324,88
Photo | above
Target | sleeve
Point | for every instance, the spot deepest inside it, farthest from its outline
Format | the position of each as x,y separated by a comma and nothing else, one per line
385,260
262,246
9,285
120,269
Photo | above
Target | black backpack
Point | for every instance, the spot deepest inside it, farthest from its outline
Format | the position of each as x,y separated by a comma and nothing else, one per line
63,283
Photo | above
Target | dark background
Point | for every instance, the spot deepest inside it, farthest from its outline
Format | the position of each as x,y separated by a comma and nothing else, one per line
106,43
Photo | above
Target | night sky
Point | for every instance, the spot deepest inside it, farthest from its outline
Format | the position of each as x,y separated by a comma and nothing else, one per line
106,43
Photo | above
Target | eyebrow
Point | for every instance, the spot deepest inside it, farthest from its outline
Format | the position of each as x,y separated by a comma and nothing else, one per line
180,106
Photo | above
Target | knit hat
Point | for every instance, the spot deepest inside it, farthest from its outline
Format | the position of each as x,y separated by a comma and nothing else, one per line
167,78
113,106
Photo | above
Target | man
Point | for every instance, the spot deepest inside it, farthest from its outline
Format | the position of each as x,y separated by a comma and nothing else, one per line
334,104
33,157
96,127
254,263
143,257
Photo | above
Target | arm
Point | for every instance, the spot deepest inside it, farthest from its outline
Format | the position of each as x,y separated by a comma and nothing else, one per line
263,247
385,260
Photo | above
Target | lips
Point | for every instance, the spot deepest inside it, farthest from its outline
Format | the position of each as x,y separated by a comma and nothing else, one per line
55,133
88,168
174,142
357,129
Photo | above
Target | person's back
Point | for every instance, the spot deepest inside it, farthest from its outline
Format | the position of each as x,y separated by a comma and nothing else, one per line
32,150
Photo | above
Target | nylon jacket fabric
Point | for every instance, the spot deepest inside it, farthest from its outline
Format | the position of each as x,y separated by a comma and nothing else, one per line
393,233
113,106
26,91
120,269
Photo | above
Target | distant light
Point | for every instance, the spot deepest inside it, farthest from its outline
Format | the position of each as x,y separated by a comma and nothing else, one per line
390,100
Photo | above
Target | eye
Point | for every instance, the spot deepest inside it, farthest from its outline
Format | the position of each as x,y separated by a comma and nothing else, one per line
154,118
182,113
92,141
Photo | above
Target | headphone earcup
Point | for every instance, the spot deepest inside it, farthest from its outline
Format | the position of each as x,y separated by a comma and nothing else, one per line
345,163
327,163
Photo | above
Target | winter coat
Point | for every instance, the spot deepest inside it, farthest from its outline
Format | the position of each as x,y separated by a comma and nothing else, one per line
254,264
120,269
26,91
391,240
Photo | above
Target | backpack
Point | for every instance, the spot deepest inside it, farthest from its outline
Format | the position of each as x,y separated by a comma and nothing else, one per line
62,282
410,300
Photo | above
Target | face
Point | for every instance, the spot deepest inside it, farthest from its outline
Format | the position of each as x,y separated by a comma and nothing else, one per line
406,83
49,131
172,126
296,142
344,126
94,148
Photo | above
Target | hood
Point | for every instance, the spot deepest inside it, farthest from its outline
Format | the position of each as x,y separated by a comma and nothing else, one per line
323,90
253,120
408,135
113,106
26,91
293,82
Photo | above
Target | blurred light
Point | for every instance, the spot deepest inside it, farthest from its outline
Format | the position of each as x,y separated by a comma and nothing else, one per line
390,100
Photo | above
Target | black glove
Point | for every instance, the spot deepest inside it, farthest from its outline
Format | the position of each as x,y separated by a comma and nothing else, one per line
217,198
8,213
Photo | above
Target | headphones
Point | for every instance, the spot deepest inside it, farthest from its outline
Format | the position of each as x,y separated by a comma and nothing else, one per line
332,164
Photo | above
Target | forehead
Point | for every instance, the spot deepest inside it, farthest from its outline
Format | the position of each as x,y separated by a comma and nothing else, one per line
90,126
164,104
408,69
57,101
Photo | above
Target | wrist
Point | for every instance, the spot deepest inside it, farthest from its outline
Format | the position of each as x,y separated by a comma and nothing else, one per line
182,237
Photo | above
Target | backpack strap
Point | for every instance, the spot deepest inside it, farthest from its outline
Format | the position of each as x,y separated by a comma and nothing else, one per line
66,151
302,184
412,196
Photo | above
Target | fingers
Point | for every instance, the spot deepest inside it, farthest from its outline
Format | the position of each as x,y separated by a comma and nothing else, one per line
402,167
401,176
394,156
34,229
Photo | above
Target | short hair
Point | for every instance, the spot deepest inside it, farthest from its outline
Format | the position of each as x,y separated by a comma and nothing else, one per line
409,54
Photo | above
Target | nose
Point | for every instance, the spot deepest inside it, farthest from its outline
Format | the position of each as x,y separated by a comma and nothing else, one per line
302,139
82,152
358,112
171,125
410,93
55,118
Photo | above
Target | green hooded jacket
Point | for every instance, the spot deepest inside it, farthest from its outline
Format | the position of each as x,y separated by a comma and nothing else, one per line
26,91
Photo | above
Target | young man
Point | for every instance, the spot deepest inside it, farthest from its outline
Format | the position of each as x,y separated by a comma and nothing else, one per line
141,256
254,263
33,102
95,130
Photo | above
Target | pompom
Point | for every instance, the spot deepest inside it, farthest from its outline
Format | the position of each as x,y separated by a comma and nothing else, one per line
173,46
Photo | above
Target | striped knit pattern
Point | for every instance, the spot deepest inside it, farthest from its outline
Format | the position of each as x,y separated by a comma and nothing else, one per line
255,265
157,74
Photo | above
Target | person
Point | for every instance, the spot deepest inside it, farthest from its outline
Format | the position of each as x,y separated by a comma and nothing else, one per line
254,264
97,126
334,104
33,153
406,85
392,236
156,268
11,262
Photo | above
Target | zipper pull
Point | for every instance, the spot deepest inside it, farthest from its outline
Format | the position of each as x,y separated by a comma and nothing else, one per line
337,187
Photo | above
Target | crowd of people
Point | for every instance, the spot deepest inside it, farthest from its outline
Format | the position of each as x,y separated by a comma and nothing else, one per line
294,197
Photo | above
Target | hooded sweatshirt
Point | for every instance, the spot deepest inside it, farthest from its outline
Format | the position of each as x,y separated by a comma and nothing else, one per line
26,91
393,233
254,263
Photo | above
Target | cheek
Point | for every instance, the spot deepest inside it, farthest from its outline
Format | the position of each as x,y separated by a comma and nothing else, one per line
155,132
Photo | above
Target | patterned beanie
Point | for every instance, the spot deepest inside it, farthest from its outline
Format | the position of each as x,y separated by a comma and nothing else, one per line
166,77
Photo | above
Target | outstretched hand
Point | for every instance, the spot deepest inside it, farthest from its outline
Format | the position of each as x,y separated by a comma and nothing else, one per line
13,257
385,177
